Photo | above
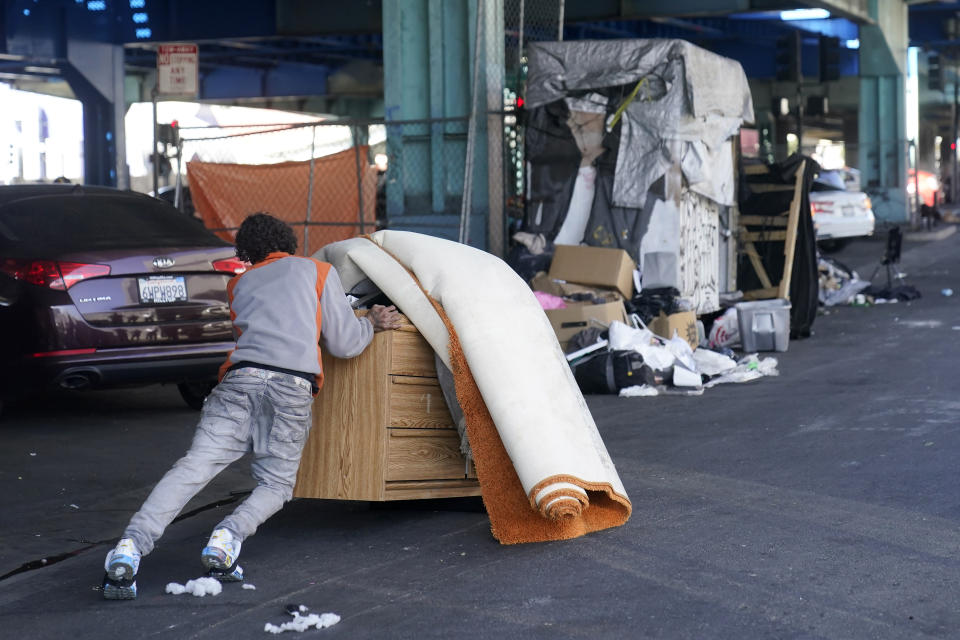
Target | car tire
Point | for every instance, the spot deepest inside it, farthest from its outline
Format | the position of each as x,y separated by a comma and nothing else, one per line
194,393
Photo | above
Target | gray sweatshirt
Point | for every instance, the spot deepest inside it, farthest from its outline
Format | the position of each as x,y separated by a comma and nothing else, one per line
284,306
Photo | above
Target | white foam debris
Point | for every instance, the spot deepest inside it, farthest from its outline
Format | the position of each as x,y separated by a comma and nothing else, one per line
199,587
247,585
638,391
302,623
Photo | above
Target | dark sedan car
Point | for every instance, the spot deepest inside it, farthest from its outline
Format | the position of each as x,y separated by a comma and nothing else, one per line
100,287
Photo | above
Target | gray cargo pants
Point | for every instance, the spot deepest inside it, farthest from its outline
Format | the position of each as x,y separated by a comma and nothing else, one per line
251,409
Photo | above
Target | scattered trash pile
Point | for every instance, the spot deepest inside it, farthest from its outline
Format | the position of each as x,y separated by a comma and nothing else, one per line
632,360
620,345
841,285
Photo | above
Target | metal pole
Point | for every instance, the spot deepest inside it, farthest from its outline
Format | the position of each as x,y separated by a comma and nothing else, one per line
306,226
560,23
954,173
156,154
360,176
914,155
178,191
467,201
520,39
799,55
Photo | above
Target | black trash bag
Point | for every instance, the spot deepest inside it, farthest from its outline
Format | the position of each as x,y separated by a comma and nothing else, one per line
527,264
586,338
610,371
650,302
903,293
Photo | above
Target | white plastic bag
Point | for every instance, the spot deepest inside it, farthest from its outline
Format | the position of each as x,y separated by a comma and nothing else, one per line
725,331
681,350
711,363
642,341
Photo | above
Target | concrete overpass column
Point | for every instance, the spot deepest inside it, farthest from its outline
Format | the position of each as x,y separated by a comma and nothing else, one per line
428,70
96,75
882,110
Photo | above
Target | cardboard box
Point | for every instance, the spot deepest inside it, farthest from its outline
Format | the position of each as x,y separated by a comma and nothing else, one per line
596,266
543,282
577,317
684,323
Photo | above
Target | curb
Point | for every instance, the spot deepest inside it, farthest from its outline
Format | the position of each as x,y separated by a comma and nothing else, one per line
928,236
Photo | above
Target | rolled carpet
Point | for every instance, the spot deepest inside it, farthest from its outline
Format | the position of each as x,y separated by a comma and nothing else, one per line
544,471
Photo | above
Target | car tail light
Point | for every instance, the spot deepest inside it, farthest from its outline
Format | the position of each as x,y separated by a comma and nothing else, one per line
867,203
64,352
821,206
233,266
74,272
55,275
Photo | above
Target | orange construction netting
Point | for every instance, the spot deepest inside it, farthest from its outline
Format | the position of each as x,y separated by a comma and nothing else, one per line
225,194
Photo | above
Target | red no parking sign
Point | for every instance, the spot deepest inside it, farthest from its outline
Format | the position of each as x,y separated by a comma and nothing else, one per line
177,69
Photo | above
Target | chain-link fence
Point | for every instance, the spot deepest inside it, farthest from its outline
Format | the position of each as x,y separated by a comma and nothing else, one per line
525,21
425,174
321,178
336,179
332,180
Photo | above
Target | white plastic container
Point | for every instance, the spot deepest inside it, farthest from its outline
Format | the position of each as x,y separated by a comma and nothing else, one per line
764,325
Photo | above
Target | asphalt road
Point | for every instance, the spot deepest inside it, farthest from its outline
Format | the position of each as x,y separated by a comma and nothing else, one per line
822,503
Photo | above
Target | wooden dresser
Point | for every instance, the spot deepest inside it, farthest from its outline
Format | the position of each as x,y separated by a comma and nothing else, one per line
381,428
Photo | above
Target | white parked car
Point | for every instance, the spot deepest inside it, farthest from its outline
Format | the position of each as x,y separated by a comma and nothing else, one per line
839,213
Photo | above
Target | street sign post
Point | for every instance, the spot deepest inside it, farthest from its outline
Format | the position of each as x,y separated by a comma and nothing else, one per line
177,69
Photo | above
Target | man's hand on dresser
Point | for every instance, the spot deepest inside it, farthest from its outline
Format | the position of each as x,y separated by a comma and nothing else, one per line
384,318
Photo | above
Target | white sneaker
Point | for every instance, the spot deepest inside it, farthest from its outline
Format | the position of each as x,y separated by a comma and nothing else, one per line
123,560
221,551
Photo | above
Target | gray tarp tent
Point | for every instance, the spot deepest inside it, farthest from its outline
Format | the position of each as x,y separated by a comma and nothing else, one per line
686,103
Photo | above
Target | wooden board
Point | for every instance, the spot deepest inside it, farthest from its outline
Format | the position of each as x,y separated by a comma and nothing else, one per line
427,489
788,236
345,455
790,243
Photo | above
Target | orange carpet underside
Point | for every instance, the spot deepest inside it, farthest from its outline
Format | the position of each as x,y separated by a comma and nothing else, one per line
514,517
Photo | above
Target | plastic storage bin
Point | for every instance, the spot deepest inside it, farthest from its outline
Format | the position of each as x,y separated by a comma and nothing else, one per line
764,325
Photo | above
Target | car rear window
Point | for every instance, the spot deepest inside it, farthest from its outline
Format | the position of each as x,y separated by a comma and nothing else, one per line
83,222
816,185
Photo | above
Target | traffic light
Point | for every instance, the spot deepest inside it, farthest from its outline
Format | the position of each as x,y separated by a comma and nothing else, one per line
934,73
788,57
169,134
829,58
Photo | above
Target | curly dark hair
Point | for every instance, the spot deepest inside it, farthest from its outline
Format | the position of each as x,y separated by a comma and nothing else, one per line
262,234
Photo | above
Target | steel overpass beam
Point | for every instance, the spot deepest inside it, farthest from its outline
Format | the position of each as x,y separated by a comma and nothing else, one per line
429,50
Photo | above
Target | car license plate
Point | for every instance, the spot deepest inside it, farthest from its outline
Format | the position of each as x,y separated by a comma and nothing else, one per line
849,210
162,289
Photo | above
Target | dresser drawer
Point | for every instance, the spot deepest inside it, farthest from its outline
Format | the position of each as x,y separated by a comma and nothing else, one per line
411,355
424,454
418,403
